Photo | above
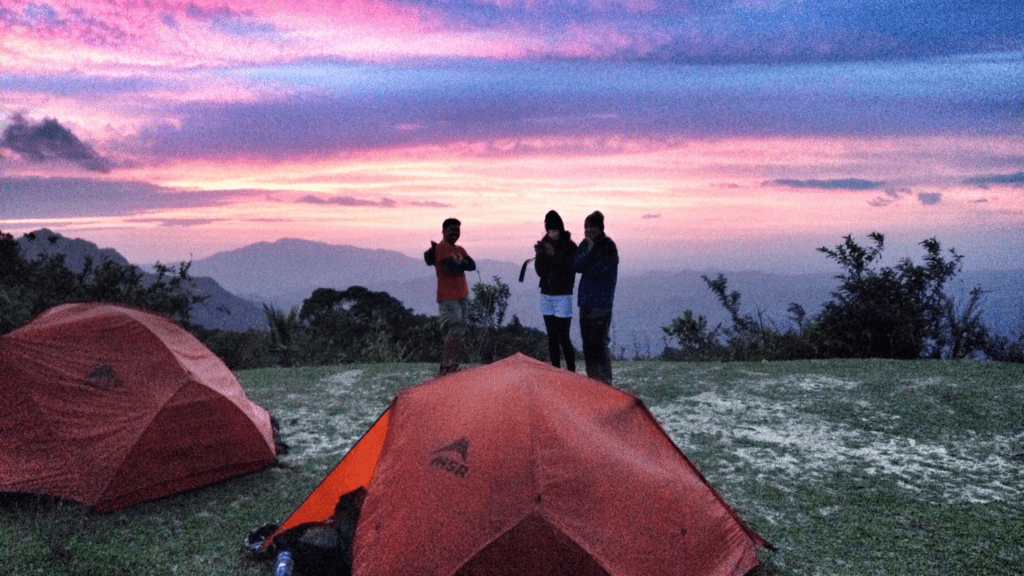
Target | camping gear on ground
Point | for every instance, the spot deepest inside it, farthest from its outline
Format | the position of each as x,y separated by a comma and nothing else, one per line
285,564
519,468
110,405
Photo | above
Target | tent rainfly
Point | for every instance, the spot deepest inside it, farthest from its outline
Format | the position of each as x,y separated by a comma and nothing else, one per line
110,405
519,468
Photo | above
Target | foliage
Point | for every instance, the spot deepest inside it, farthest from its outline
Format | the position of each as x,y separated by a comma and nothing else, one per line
488,339
240,350
696,341
747,338
358,324
282,334
895,312
1007,348
488,303
28,288
901,312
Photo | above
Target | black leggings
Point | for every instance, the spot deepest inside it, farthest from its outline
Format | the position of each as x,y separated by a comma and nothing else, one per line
558,341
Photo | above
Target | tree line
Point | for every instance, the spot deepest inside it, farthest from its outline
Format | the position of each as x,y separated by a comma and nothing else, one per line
901,312
30,287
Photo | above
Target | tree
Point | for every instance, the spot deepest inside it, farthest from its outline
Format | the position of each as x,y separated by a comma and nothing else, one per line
27,288
283,333
747,338
893,312
358,324
489,338
488,303
696,342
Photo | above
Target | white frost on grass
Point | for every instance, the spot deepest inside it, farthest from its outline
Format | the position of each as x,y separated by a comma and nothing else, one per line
343,379
328,428
786,446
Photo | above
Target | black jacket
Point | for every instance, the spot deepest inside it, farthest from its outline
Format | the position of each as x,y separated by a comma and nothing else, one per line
556,273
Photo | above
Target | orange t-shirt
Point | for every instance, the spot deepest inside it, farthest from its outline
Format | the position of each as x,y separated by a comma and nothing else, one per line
449,286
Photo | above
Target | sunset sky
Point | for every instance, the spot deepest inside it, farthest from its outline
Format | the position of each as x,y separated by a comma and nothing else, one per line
730,134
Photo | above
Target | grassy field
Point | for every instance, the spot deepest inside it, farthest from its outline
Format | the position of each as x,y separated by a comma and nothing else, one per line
847,467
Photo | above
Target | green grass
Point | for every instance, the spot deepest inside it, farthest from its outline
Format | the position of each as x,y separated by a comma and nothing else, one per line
847,467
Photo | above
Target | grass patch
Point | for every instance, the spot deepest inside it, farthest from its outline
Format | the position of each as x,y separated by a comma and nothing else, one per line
848,467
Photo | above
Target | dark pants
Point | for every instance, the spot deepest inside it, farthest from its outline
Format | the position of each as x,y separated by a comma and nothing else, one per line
559,342
594,327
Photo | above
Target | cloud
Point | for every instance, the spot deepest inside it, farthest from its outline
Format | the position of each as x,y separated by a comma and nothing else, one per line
346,201
930,198
729,31
177,222
225,20
49,141
36,197
430,204
890,195
510,109
840,184
1015,180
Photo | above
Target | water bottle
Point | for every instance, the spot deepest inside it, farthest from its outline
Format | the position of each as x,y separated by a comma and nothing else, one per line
285,563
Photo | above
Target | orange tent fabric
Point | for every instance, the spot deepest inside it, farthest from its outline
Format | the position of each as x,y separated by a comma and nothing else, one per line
521,468
110,405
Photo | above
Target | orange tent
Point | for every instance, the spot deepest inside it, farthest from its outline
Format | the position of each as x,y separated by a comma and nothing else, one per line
110,405
521,468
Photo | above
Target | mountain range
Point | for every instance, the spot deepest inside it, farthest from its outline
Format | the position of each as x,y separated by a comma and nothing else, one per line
285,272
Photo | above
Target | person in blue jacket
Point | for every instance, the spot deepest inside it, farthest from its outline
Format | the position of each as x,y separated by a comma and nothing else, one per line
597,262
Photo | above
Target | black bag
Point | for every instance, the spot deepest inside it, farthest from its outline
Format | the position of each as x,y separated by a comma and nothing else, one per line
320,548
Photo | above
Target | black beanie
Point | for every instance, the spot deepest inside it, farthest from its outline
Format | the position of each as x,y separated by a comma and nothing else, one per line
596,219
552,221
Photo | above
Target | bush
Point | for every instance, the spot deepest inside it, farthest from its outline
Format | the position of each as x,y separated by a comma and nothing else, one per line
876,312
895,312
28,288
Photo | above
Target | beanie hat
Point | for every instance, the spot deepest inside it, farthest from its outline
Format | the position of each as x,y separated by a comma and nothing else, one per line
552,221
596,219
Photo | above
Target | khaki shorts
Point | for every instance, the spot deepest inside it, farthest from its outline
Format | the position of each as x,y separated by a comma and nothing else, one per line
454,315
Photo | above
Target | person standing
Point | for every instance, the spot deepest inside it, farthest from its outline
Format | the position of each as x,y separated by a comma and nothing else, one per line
555,252
597,261
451,262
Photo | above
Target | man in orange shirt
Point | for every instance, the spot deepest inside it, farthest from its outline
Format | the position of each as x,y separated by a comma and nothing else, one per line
451,262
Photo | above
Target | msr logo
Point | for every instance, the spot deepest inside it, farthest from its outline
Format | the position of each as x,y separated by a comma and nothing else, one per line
103,377
453,458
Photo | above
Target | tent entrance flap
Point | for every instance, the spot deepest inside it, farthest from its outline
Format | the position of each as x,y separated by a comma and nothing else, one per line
533,546
355,470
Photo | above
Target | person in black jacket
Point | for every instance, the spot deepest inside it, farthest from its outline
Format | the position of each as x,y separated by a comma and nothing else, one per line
555,252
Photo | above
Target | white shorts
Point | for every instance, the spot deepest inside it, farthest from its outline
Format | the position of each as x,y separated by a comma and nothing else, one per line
558,306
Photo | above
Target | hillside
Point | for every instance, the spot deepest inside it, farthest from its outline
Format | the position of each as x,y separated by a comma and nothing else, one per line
220,309
848,467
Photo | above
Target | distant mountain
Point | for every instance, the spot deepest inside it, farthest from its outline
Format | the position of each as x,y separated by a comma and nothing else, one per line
219,310
287,271
291,267
46,242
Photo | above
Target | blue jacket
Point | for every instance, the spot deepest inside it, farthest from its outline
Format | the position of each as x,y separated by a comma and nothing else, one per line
599,270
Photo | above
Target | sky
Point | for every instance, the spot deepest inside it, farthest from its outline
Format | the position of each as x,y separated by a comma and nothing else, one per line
712,134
